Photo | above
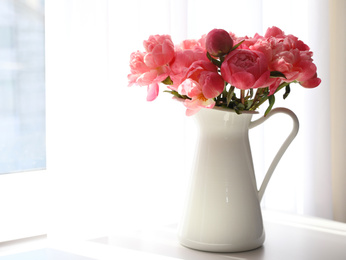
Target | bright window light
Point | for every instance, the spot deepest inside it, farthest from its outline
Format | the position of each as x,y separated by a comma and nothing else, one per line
22,86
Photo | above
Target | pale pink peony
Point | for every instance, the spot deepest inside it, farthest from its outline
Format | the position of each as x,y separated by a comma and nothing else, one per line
137,67
194,90
202,84
247,42
188,45
273,32
202,40
296,65
151,67
290,41
205,73
288,55
186,53
246,69
160,50
143,75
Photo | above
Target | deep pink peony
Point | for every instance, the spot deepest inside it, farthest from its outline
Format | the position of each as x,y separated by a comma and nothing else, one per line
246,69
218,42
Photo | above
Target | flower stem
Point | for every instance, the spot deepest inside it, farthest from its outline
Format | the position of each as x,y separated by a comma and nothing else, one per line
258,100
242,96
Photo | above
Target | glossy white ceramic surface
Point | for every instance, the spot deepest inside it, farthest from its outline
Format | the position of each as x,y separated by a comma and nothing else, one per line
222,212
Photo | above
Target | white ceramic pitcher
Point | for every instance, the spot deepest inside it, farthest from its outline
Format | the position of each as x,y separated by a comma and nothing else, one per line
223,212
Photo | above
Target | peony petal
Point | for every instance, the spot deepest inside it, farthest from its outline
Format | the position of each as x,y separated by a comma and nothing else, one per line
153,92
308,70
311,83
263,81
242,80
212,84
190,88
191,112
274,32
147,78
196,103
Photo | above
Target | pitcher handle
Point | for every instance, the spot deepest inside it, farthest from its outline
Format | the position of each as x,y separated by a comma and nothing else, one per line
282,149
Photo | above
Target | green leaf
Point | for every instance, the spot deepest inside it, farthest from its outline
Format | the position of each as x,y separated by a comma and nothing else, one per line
214,61
287,91
248,104
237,111
229,95
271,100
237,45
241,106
277,74
174,93
167,81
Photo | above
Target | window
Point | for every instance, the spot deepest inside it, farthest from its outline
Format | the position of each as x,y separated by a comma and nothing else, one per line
22,119
22,86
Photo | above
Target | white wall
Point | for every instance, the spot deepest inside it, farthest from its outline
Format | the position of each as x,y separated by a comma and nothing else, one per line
115,159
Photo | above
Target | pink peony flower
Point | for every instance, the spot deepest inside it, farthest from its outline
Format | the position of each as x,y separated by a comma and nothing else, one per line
201,41
160,50
202,84
218,42
296,65
247,41
205,73
186,53
137,66
194,90
290,41
143,75
151,67
289,55
273,32
188,45
246,69
198,82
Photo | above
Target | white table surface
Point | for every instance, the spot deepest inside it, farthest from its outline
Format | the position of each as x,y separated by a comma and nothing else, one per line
288,237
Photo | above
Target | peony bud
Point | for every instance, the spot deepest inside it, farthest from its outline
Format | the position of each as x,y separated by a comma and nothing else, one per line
218,42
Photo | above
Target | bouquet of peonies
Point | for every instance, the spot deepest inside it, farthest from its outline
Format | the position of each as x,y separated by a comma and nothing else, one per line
224,70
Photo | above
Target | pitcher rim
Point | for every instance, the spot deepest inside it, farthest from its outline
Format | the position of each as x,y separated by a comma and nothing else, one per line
232,110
